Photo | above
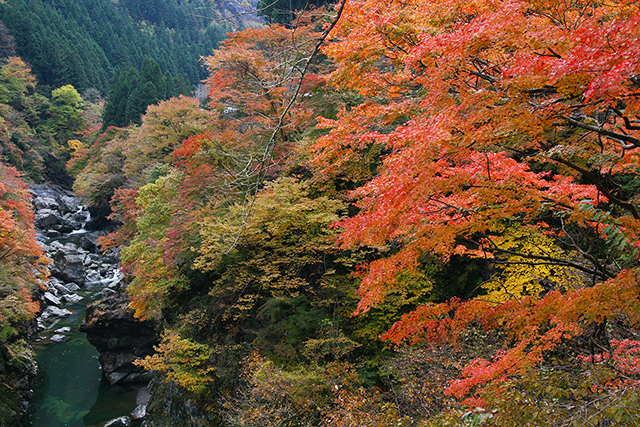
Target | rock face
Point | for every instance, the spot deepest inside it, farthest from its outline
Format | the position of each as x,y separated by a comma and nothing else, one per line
169,407
18,370
120,338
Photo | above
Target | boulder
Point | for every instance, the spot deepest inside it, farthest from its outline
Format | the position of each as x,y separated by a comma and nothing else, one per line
119,422
52,234
50,299
118,361
58,338
93,277
69,248
47,218
89,242
44,202
68,267
71,298
59,288
53,311
139,413
115,377
56,246
72,287
68,202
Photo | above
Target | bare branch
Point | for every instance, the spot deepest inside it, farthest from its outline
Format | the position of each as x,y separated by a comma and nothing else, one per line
263,166
635,142
595,181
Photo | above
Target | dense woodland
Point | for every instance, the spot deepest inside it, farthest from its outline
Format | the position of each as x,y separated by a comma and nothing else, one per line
384,213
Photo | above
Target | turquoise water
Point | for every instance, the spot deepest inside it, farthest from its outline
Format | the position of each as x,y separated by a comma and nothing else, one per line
70,390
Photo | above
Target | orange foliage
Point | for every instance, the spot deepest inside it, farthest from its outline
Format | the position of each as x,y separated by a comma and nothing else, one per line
461,103
493,113
23,264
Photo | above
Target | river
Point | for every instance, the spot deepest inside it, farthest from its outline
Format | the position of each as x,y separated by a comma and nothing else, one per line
70,390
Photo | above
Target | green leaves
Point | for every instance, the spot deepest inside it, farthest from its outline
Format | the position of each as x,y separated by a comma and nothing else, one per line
620,238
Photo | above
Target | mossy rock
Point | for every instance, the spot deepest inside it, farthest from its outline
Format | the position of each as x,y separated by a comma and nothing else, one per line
171,406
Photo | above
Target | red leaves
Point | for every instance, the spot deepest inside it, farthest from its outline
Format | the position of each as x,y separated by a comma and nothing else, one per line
462,98
17,233
532,327
23,265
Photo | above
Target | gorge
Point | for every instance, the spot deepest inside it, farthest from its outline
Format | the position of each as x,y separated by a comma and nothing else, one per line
77,385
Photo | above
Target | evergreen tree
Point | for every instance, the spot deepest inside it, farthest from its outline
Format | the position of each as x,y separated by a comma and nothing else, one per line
135,90
85,43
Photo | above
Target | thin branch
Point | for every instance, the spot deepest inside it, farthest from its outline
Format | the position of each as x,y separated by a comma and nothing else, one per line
634,142
554,262
263,166
627,123
545,260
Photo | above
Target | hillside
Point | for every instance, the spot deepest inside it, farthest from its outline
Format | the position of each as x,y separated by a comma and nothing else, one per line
86,43
382,213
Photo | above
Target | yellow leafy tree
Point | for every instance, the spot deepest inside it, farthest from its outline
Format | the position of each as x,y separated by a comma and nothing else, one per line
145,258
526,266
184,361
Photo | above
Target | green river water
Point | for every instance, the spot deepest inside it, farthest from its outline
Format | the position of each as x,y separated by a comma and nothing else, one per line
70,390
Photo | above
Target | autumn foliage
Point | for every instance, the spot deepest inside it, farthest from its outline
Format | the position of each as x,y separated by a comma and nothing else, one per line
496,117
23,265
470,167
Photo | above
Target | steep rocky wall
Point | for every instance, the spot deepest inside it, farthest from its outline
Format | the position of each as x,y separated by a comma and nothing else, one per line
171,407
17,370
120,338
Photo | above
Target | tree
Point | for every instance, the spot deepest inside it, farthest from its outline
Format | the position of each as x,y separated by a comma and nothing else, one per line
7,42
23,265
135,90
98,169
34,128
164,127
493,117
184,361
65,112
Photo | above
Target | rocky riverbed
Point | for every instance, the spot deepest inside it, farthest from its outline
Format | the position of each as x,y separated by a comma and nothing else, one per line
78,270
81,275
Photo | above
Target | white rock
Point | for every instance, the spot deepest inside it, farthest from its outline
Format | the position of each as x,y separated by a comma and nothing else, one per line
53,311
139,413
49,298
72,298
72,287
60,288
58,338
119,422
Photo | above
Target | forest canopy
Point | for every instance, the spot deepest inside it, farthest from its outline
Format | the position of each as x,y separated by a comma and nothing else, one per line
387,213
